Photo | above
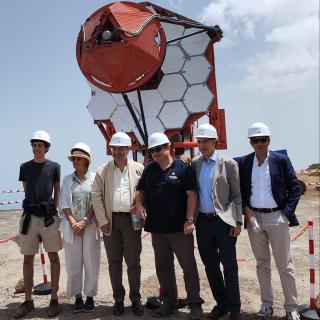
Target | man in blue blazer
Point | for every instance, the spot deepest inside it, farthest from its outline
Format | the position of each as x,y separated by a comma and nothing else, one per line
270,194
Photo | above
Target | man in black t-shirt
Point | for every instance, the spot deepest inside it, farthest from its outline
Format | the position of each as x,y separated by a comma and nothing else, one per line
166,198
40,177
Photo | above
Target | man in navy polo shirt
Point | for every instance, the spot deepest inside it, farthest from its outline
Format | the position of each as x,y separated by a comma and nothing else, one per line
166,198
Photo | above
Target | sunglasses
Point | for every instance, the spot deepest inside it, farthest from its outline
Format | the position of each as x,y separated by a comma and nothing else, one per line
76,159
261,140
156,149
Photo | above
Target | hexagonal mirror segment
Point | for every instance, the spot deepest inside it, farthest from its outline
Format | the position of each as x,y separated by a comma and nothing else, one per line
197,70
172,31
133,97
152,102
154,125
198,98
196,44
172,87
122,120
101,105
174,60
173,115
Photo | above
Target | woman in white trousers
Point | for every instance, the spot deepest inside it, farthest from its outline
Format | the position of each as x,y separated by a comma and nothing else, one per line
80,231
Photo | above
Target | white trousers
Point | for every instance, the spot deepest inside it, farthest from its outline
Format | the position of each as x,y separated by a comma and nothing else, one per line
84,253
275,232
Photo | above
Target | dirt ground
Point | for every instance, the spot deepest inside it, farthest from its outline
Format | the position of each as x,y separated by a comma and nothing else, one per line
11,272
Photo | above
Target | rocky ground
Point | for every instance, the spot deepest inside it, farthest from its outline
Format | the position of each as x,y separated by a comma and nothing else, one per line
11,272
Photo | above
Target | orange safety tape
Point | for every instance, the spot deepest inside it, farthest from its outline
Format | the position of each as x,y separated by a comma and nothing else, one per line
300,233
9,239
10,202
11,191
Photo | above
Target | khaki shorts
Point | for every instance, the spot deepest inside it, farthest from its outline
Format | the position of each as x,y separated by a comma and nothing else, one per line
29,243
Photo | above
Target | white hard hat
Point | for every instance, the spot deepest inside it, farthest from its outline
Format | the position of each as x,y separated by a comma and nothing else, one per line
120,139
81,150
42,136
258,129
206,131
157,139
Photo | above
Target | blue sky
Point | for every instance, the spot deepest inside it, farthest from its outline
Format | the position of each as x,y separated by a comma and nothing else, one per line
267,68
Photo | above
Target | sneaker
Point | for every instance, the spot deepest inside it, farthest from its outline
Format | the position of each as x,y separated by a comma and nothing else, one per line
24,309
89,305
78,305
265,312
54,308
118,308
137,308
293,315
165,310
217,313
195,312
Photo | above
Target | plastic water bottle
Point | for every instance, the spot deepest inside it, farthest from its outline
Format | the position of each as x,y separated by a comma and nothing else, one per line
137,223
254,224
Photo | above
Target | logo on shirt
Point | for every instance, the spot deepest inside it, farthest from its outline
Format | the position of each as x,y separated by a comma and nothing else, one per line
173,176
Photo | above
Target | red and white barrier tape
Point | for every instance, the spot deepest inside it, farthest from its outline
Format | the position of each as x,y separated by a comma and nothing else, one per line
312,271
10,202
11,191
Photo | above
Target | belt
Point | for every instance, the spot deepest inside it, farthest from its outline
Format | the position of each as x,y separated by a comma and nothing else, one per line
207,216
265,210
123,214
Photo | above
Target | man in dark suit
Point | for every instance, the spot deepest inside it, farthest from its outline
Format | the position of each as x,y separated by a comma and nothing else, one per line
270,193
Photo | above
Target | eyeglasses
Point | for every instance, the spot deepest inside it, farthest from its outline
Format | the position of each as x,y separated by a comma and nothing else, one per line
76,159
261,140
156,149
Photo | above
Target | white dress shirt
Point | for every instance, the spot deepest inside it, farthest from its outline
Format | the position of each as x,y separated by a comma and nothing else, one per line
261,192
121,190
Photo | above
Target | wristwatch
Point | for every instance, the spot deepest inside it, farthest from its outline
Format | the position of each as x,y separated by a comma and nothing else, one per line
85,219
189,220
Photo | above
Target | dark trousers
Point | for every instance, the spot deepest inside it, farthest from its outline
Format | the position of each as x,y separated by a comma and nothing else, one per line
165,245
125,242
217,246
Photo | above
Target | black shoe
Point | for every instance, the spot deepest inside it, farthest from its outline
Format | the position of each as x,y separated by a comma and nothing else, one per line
78,305
195,312
217,313
234,316
118,308
89,305
137,308
164,310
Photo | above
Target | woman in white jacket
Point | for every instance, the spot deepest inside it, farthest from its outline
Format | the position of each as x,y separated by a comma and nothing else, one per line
80,232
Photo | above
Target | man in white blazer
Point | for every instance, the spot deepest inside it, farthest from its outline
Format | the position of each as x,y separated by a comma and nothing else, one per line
113,193
219,222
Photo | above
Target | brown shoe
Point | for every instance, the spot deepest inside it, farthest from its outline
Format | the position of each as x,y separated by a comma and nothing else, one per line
234,316
24,309
217,313
54,308
195,313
